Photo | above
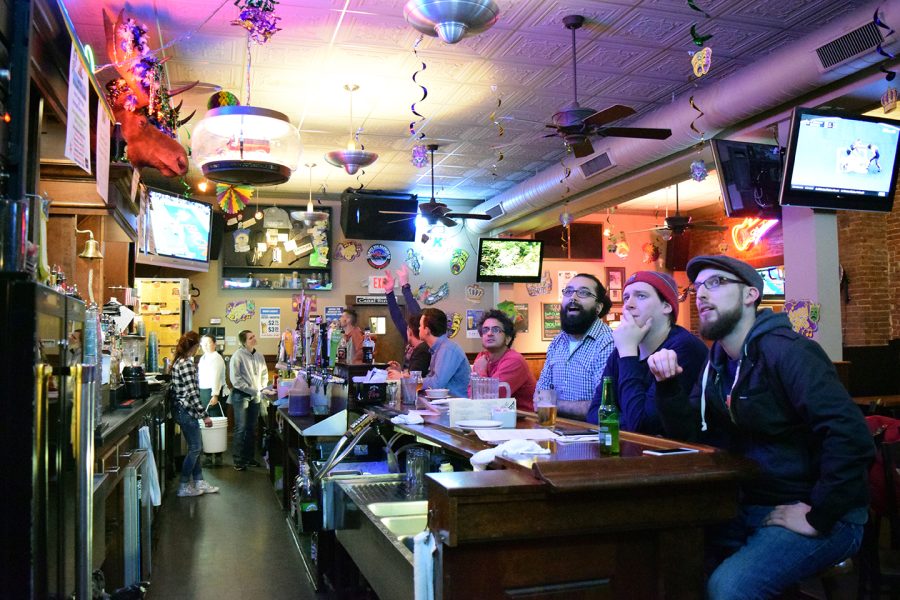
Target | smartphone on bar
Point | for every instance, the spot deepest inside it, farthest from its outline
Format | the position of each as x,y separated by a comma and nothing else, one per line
668,451
585,431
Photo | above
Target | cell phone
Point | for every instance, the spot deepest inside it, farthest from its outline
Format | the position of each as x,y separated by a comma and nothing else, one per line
586,431
668,451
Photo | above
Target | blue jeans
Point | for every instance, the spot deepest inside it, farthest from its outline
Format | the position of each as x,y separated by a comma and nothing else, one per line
246,413
768,560
190,429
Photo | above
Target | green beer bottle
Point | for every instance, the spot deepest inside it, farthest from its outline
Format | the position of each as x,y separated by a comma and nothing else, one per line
608,419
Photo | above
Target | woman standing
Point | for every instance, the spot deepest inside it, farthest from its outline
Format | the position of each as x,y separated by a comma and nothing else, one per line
212,386
187,409
249,375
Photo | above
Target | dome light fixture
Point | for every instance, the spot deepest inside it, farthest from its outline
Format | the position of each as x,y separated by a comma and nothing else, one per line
309,217
451,20
354,157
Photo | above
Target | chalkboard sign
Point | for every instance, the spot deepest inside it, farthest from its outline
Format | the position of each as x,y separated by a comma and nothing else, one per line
550,326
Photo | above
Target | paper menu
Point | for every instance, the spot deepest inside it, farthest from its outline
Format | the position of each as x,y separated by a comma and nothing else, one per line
464,409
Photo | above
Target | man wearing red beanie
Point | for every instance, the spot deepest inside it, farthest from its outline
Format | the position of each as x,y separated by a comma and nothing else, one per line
648,324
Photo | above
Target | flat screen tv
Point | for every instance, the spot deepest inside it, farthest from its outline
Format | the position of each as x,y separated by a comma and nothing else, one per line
773,282
840,161
510,261
173,231
750,178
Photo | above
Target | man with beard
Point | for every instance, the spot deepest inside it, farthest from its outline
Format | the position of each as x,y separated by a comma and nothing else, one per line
649,312
773,396
577,356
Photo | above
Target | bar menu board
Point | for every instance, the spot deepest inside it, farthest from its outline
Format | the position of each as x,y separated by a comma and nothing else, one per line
550,326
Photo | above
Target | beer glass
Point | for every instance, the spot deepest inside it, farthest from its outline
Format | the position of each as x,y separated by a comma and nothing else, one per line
545,407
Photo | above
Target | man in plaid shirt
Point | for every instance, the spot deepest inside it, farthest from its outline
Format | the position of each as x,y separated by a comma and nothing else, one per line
577,356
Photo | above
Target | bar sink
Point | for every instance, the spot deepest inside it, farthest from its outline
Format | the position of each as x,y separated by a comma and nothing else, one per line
406,525
398,509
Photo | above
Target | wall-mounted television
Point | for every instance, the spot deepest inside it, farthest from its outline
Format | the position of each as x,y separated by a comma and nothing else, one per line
773,282
840,161
173,231
750,178
510,261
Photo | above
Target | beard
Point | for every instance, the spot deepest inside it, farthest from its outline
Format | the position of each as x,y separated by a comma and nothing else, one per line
722,326
577,323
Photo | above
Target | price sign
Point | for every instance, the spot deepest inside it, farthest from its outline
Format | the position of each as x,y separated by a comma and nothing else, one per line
269,322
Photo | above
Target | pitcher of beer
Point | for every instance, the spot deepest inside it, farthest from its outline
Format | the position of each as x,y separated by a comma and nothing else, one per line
487,387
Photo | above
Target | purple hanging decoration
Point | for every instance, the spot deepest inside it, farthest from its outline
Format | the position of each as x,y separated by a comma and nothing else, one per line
419,156
698,170
258,18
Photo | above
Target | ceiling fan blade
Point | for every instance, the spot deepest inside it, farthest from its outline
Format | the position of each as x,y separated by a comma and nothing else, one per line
396,212
608,115
582,149
468,216
399,220
633,132
708,227
660,228
447,222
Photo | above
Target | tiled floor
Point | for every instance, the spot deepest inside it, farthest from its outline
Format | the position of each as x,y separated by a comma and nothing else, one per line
232,544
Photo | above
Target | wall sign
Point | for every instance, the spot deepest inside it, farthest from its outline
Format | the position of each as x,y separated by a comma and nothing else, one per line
371,300
269,322
550,324
378,256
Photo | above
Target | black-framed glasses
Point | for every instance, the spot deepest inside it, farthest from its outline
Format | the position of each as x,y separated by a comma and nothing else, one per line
495,330
580,292
712,283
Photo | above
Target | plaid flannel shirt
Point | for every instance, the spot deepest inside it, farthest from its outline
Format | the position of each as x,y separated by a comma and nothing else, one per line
187,391
576,376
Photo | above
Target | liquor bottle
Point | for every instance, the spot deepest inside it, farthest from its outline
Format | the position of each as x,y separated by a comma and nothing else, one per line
368,348
342,347
608,419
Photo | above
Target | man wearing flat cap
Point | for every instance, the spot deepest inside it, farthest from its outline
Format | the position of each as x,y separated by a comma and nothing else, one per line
649,312
773,396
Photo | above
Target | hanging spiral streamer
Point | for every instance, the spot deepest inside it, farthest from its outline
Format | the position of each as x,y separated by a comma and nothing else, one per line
698,39
493,115
566,172
359,179
698,9
888,74
412,107
699,133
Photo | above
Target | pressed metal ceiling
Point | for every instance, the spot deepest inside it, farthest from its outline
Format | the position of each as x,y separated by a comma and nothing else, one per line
629,52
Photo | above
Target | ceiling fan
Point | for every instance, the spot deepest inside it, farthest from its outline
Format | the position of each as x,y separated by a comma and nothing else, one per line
677,224
435,212
576,125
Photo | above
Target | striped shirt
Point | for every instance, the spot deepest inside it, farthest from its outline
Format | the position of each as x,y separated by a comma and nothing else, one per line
184,378
576,374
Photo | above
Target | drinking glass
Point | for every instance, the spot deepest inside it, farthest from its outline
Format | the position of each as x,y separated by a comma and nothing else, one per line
416,467
409,391
545,406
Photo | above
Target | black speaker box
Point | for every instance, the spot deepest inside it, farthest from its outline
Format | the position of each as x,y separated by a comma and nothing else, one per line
217,232
678,251
362,216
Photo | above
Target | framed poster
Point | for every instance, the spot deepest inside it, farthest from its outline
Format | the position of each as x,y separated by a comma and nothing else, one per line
550,325
615,282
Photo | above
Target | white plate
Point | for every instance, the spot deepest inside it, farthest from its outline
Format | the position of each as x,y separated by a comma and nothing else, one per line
479,424
439,401
436,396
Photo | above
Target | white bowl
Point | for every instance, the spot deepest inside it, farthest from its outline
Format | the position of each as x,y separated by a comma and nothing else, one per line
437,393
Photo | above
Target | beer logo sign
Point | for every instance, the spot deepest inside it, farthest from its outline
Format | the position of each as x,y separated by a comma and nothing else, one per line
378,256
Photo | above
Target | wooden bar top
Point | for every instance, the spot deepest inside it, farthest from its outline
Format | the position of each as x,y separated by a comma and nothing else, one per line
883,401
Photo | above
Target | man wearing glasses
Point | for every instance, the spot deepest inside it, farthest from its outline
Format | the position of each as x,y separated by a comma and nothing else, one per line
577,356
773,396
499,360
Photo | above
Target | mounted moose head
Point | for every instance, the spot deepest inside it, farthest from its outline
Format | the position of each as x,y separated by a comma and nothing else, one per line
140,102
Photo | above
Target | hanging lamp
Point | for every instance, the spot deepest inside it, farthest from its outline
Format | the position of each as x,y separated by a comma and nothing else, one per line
451,20
309,217
353,158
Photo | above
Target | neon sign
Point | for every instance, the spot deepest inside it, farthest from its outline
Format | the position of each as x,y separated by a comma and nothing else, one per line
747,234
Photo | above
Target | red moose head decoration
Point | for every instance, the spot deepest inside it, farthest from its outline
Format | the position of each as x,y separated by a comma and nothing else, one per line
140,102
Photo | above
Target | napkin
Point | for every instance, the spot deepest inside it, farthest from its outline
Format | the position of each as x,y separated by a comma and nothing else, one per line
424,546
481,459
373,376
410,419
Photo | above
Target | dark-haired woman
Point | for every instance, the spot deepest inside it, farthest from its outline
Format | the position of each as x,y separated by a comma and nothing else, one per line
499,360
187,410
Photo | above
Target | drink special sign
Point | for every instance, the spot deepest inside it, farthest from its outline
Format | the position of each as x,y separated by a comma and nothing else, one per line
269,322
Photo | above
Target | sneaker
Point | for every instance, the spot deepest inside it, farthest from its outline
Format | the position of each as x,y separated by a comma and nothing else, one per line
188,489
204,487
238,467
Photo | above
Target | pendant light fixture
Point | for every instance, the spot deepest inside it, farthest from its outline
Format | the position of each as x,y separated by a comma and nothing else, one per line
354,157
451,20
309,217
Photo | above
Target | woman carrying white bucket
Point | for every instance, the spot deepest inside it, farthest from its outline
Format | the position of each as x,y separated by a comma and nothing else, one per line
211,370
187,409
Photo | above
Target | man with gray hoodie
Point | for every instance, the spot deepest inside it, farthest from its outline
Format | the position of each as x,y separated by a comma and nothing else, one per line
773,396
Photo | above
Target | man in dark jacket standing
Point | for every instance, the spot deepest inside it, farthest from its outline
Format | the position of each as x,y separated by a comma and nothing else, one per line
772,395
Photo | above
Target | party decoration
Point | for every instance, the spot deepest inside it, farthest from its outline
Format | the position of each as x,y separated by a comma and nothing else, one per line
748,233
565,217
888,74
349,250
544,287
493,116
889,100
419,156
258,18
240,310
699,40
413,261
454,320
651,253
458,261
233,198
804,316
139,97
412,108
701,62
698,170
378,256
623,249
241,240
694,122
474,293
222,98
430,296
694,6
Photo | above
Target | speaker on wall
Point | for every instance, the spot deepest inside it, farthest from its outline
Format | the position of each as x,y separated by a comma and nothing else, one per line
678,251
217,232
362,217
